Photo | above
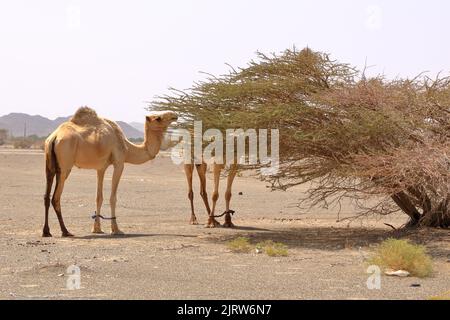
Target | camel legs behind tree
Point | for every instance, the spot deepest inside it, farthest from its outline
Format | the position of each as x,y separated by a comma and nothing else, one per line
217,169
230,179
201,171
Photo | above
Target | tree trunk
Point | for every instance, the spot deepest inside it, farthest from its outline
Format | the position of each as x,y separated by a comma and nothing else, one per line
403,201
434,216
438,218
422,197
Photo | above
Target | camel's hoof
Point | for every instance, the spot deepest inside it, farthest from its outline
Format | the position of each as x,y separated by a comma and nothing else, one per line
97,231
67,234
213,224
193,222
228,225
46,235
117,233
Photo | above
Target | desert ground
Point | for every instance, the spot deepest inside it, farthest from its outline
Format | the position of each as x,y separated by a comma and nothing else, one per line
163,257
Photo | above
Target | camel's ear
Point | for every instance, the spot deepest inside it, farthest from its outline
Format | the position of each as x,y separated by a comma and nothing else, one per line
153,118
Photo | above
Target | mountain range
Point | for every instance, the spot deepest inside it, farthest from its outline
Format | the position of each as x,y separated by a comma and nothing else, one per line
19,124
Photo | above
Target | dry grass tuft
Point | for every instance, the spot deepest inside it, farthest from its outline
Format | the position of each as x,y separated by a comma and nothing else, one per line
443,296
403,255
269,247
240,245
273,249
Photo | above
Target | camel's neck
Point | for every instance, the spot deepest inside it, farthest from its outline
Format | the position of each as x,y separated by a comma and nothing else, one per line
139,154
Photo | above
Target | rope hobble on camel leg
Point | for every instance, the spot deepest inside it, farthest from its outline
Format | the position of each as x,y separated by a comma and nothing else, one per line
228,212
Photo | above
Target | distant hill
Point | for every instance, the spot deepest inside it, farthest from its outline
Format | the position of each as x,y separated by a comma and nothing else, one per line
130,131
15,123
137,125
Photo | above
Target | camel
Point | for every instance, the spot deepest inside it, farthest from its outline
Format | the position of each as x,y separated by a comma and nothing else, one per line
217,170
88,141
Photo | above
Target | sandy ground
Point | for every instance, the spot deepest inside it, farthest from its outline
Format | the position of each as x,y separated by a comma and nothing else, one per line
163,257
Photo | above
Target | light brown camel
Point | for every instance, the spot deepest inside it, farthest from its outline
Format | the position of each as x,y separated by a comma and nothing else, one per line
90,142
217,170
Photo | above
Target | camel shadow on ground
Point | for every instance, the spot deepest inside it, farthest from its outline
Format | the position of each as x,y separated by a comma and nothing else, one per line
250,229
131,236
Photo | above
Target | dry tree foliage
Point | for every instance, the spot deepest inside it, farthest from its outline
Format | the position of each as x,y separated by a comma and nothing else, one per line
352,137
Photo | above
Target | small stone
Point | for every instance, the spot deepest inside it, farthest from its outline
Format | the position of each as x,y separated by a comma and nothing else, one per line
61,275
241,193
416,285
398,273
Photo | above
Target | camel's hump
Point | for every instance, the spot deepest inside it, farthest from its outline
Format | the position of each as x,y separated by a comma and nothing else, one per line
85,115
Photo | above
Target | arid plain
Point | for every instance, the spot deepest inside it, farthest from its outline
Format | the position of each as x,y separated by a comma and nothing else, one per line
163,257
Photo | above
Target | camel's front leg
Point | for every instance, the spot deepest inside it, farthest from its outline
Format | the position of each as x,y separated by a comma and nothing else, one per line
230,179
117,174
212,222
188,169
100,178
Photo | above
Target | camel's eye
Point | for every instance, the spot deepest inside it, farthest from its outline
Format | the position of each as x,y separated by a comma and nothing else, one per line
158,119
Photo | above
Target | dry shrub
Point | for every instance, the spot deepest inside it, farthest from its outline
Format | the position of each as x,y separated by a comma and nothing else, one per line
240,245
443,296
273,249
403,255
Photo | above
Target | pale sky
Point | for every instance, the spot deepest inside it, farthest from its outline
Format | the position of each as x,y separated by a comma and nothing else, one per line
56,55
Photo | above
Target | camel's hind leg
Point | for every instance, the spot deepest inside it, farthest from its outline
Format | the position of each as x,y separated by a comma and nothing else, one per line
61,177
117,174
50,177
230,179
189,169
100,178
201,170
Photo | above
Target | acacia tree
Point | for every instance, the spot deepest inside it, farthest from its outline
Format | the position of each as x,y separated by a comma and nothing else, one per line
350,136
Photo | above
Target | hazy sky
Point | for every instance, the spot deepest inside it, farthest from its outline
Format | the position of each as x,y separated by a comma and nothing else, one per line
56,55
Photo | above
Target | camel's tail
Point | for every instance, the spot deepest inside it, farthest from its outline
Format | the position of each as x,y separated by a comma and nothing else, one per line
51,168
51,161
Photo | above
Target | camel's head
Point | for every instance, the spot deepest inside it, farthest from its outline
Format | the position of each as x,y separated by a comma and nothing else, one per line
160,120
